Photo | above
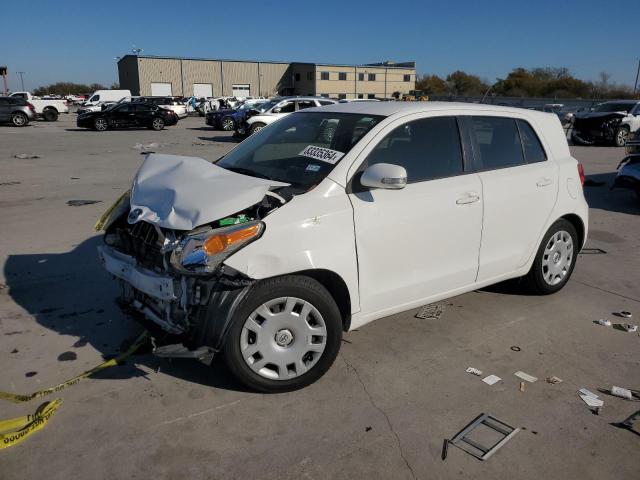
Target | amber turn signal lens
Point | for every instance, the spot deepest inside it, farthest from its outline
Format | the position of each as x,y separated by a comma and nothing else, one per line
219,243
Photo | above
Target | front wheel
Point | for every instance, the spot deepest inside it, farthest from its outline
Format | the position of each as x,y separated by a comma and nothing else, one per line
284,336
622,134
555,259
19,119
256,127
100,124
157,124
228,124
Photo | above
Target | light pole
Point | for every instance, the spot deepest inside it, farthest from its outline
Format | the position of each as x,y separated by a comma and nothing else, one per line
21,79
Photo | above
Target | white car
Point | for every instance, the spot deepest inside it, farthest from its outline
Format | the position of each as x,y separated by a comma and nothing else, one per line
337,216
278,108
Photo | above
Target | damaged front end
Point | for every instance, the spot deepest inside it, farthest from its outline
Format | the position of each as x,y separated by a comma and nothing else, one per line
593,128
629,169
174,278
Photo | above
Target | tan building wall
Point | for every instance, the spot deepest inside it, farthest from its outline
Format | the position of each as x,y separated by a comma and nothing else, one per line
199,71
239,73
274,78
387,81
162,70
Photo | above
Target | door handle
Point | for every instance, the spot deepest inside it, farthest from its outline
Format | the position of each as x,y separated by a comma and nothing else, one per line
543,182
469,197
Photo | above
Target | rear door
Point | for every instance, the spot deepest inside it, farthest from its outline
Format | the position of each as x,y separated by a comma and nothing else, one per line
421,241
123,115
143,114
520,186
5,109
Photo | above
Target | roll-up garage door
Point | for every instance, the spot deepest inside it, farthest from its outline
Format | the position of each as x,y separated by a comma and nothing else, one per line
202,90
160,89
240,90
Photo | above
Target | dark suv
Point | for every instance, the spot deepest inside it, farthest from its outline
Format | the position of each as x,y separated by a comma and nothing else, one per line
17,111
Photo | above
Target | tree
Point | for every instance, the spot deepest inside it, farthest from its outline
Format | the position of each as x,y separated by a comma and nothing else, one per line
67,88
462,83
431,84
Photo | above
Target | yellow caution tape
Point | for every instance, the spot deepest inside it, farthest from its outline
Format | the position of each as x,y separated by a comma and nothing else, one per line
20,428
15,398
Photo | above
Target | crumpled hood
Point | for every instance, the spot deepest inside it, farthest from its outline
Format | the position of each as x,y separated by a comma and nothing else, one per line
596,115
182,193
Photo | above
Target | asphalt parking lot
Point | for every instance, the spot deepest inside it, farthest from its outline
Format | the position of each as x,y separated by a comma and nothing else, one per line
397,389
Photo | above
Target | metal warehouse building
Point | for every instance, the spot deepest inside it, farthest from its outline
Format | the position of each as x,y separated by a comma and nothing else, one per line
202,77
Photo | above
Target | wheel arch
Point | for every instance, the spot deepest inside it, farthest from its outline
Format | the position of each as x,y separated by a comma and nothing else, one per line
50,107
578,224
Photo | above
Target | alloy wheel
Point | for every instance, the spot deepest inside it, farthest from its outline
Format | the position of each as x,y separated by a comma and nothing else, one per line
283,338
557,257
101,124
19,120
227,124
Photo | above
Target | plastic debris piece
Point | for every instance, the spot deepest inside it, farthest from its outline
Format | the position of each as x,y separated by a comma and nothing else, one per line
526,377
603,322
522,386
621,392
628,327
23,156
474,371
554,380
491,379
515,348
626,314
79,203
590,398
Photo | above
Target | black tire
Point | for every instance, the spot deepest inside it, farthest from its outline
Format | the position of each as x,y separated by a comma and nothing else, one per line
100,124
228,124
19,119
622,134
534,281
256,127
157,124
50,114
304,288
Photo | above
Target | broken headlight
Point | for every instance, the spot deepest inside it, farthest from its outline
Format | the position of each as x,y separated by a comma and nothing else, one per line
203,252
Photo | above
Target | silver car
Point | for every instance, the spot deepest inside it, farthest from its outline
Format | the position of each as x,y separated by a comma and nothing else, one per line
17,111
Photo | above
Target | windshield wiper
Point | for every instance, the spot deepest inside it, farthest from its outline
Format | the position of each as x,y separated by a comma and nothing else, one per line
246,171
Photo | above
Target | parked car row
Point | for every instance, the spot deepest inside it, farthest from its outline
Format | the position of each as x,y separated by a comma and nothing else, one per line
609,123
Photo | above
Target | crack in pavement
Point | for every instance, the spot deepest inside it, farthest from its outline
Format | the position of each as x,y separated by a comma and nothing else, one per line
606,291
373,403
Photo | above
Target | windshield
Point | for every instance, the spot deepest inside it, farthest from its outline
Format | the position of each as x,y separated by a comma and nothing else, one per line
615,107
300,149
263,107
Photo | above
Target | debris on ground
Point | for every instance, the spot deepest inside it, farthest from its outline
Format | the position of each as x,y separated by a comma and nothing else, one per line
522,386
198,143
463,439
430,312
8,184
628,422
515,348
591,399
491,379
474,371
592,251
603,322
621,392
24,156
526,377
554,380
626,314
79,203
628,327
147,146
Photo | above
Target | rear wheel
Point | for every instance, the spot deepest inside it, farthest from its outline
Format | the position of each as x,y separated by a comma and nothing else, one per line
19,119
284,336
50,114
228,124
100,124
157,124
256,127
555,259
622,134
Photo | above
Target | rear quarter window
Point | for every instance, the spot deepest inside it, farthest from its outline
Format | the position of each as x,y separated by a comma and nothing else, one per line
531,146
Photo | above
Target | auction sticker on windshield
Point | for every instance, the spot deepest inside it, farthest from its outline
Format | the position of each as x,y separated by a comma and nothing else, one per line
321,153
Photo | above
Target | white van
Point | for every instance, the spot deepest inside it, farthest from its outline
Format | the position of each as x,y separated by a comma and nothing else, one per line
106,96
333,217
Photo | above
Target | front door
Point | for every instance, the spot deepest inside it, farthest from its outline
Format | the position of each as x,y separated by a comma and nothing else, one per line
123,115
520,189
422,241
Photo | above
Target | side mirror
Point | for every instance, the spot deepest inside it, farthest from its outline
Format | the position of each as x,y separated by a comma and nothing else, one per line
384,175
276,110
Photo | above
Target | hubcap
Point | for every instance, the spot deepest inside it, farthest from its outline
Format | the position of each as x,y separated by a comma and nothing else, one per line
157,123
18,120
101,124
283,338
557,258
227,124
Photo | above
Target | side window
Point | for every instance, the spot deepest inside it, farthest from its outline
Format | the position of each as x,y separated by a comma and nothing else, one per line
533,151
287,107
325,102
428,149
497,141
302,104
342,96
143,107
95,98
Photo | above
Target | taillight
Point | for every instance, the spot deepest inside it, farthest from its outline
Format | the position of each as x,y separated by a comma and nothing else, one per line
31,107
581,173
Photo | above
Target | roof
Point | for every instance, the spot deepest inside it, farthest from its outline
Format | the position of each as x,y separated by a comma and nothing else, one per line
388,109
402,65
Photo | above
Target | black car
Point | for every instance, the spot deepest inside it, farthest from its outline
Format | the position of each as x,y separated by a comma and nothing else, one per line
124,115
608,123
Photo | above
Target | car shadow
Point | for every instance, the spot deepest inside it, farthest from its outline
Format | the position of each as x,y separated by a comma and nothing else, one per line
220,139
70,294
598,193
202,129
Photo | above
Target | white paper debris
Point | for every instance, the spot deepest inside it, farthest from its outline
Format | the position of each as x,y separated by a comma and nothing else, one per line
491,379
621,392
604,323
526,377
474,371
590,398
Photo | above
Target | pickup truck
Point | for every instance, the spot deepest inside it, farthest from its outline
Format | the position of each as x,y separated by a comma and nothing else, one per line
47,109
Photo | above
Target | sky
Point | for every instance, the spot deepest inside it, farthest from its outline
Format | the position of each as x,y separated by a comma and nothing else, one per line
77,41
